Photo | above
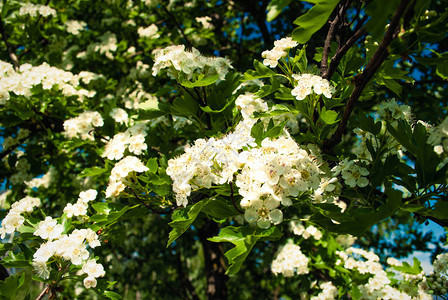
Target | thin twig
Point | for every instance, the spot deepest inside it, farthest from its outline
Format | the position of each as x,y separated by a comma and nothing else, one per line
12,55
362,79
148,207
45,291
233,199
179,27
327,44
335,60
138,198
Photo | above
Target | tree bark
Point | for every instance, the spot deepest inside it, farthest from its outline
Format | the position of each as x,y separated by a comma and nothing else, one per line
214,262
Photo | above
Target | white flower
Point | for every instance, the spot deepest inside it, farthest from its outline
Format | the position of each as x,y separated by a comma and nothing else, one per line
119,115
49,229
148,32
271,57
88,195
93,269
307,83
41,269
89,282
264,212
290,260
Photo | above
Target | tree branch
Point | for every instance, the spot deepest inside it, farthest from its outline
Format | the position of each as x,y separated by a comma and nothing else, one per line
187,41
362,79
45,291
12,55
336,59
330,34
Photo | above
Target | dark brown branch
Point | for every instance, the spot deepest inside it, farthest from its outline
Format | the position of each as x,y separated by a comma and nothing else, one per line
362,79
186,283
12,148
330,35
233,199
179,27
12,55
336,59
214,262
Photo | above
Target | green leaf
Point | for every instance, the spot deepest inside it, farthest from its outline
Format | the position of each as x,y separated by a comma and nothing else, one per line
440,210
267,89
275,7
10,287
202,81
357,221
244,238
220,209
313,20
15,260
379,12
407,268
183,218
152,109
261,71
442,70
328,116
91,172
152,165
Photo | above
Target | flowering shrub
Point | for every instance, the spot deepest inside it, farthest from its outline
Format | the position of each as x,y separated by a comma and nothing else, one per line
200,176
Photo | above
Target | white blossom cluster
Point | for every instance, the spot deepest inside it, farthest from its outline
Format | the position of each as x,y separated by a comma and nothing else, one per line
205,22
214,161
119,173
21,82
14,219
329,291
305,232
148,32
71,247
188,62
352,172
22,166
308,83
208,162
289,261
106,46
281,48
11,141
379,285
80,207
438,137
391,111
82,125
273,173
136,96
74,26
36,10
132,139
267,176
119,115
44,181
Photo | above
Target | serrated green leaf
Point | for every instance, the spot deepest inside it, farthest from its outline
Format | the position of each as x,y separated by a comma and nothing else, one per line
275,7
202,81
261,71
91,172
10,287
328,116
313,20
152,165
244,238
183,218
